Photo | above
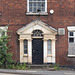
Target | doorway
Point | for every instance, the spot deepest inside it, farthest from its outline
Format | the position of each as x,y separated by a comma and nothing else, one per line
37,51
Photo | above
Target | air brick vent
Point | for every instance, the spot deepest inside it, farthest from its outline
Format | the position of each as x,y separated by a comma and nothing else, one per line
61,31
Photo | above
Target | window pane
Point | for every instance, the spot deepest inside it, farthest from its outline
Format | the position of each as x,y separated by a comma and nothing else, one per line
34,9
49,47
71,34
49,42
71,40
30,4
39,10
36,0
43,4
39,4
49,52
25,46
36,5
40,0
30,9
30,0
25,52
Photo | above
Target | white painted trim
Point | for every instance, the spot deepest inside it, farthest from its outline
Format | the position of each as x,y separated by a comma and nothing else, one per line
45,51
49,33
35,22
71,36
25,55
71,55
53,51
41,13
5,28
29,51
71,28
21,51
34,13
27,5
37,37
45,5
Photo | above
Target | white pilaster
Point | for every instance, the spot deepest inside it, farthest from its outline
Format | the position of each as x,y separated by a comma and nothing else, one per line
53,51
45,51
29,51
21,50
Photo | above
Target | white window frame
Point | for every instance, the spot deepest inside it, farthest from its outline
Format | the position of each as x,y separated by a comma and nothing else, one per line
37,13
71,36
5,28
71,29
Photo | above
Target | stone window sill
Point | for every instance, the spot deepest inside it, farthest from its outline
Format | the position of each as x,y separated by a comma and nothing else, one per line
49,55
25,55
30,13
71,55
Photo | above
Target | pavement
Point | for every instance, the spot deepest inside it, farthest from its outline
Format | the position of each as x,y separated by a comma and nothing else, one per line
35,72
16,71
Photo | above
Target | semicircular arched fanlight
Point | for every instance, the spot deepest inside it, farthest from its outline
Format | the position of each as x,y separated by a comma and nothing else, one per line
37,33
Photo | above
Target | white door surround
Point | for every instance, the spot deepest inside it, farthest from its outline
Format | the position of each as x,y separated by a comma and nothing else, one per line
48,33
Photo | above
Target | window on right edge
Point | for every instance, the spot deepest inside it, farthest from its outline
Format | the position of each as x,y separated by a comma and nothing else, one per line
71,37
71,43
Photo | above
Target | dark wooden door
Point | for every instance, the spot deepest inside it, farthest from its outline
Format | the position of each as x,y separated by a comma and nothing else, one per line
37,51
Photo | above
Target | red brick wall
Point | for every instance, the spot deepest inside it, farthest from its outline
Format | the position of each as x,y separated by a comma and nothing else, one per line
14,14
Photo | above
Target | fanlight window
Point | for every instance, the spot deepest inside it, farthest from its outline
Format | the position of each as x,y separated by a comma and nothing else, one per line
37,33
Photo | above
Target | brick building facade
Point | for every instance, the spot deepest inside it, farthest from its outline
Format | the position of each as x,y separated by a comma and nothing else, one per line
15,14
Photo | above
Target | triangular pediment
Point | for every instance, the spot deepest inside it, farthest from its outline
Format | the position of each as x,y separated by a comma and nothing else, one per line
37,24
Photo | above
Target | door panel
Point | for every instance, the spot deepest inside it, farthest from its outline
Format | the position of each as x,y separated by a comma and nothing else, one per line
37,51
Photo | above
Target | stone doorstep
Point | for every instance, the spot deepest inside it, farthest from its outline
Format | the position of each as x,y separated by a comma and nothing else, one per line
38,66
41,67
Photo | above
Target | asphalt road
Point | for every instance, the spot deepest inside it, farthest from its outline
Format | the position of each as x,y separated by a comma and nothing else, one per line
44,73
